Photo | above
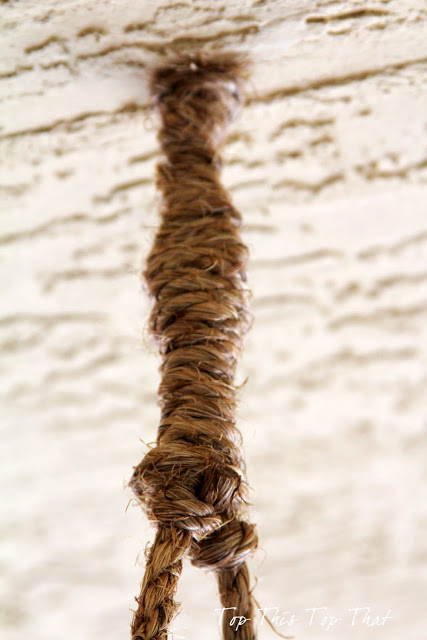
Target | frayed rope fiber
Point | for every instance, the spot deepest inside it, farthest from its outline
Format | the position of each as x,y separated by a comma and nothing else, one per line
192,483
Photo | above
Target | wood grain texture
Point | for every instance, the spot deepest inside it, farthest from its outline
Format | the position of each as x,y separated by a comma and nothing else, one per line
328,165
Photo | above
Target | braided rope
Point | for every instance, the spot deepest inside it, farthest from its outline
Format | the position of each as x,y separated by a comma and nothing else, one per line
191,484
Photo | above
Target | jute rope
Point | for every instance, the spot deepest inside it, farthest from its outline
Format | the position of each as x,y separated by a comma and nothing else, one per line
192,483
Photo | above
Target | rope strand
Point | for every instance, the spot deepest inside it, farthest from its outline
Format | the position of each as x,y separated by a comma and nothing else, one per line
192,483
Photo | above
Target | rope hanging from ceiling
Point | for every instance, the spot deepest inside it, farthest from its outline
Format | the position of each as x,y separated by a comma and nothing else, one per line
192,482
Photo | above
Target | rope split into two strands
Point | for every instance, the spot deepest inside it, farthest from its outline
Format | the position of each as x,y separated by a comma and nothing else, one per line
192,483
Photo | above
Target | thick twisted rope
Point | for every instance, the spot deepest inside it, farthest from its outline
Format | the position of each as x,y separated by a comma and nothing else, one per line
192,484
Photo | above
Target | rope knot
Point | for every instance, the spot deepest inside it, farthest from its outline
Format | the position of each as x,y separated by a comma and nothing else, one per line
227,547
195,488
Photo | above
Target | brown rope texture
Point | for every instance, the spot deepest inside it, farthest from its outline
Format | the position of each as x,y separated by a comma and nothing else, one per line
192,483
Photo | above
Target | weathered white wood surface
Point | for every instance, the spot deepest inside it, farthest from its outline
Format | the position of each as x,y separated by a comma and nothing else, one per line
329,165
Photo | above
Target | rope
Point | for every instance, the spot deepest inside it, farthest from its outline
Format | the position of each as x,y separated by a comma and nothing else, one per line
192,483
